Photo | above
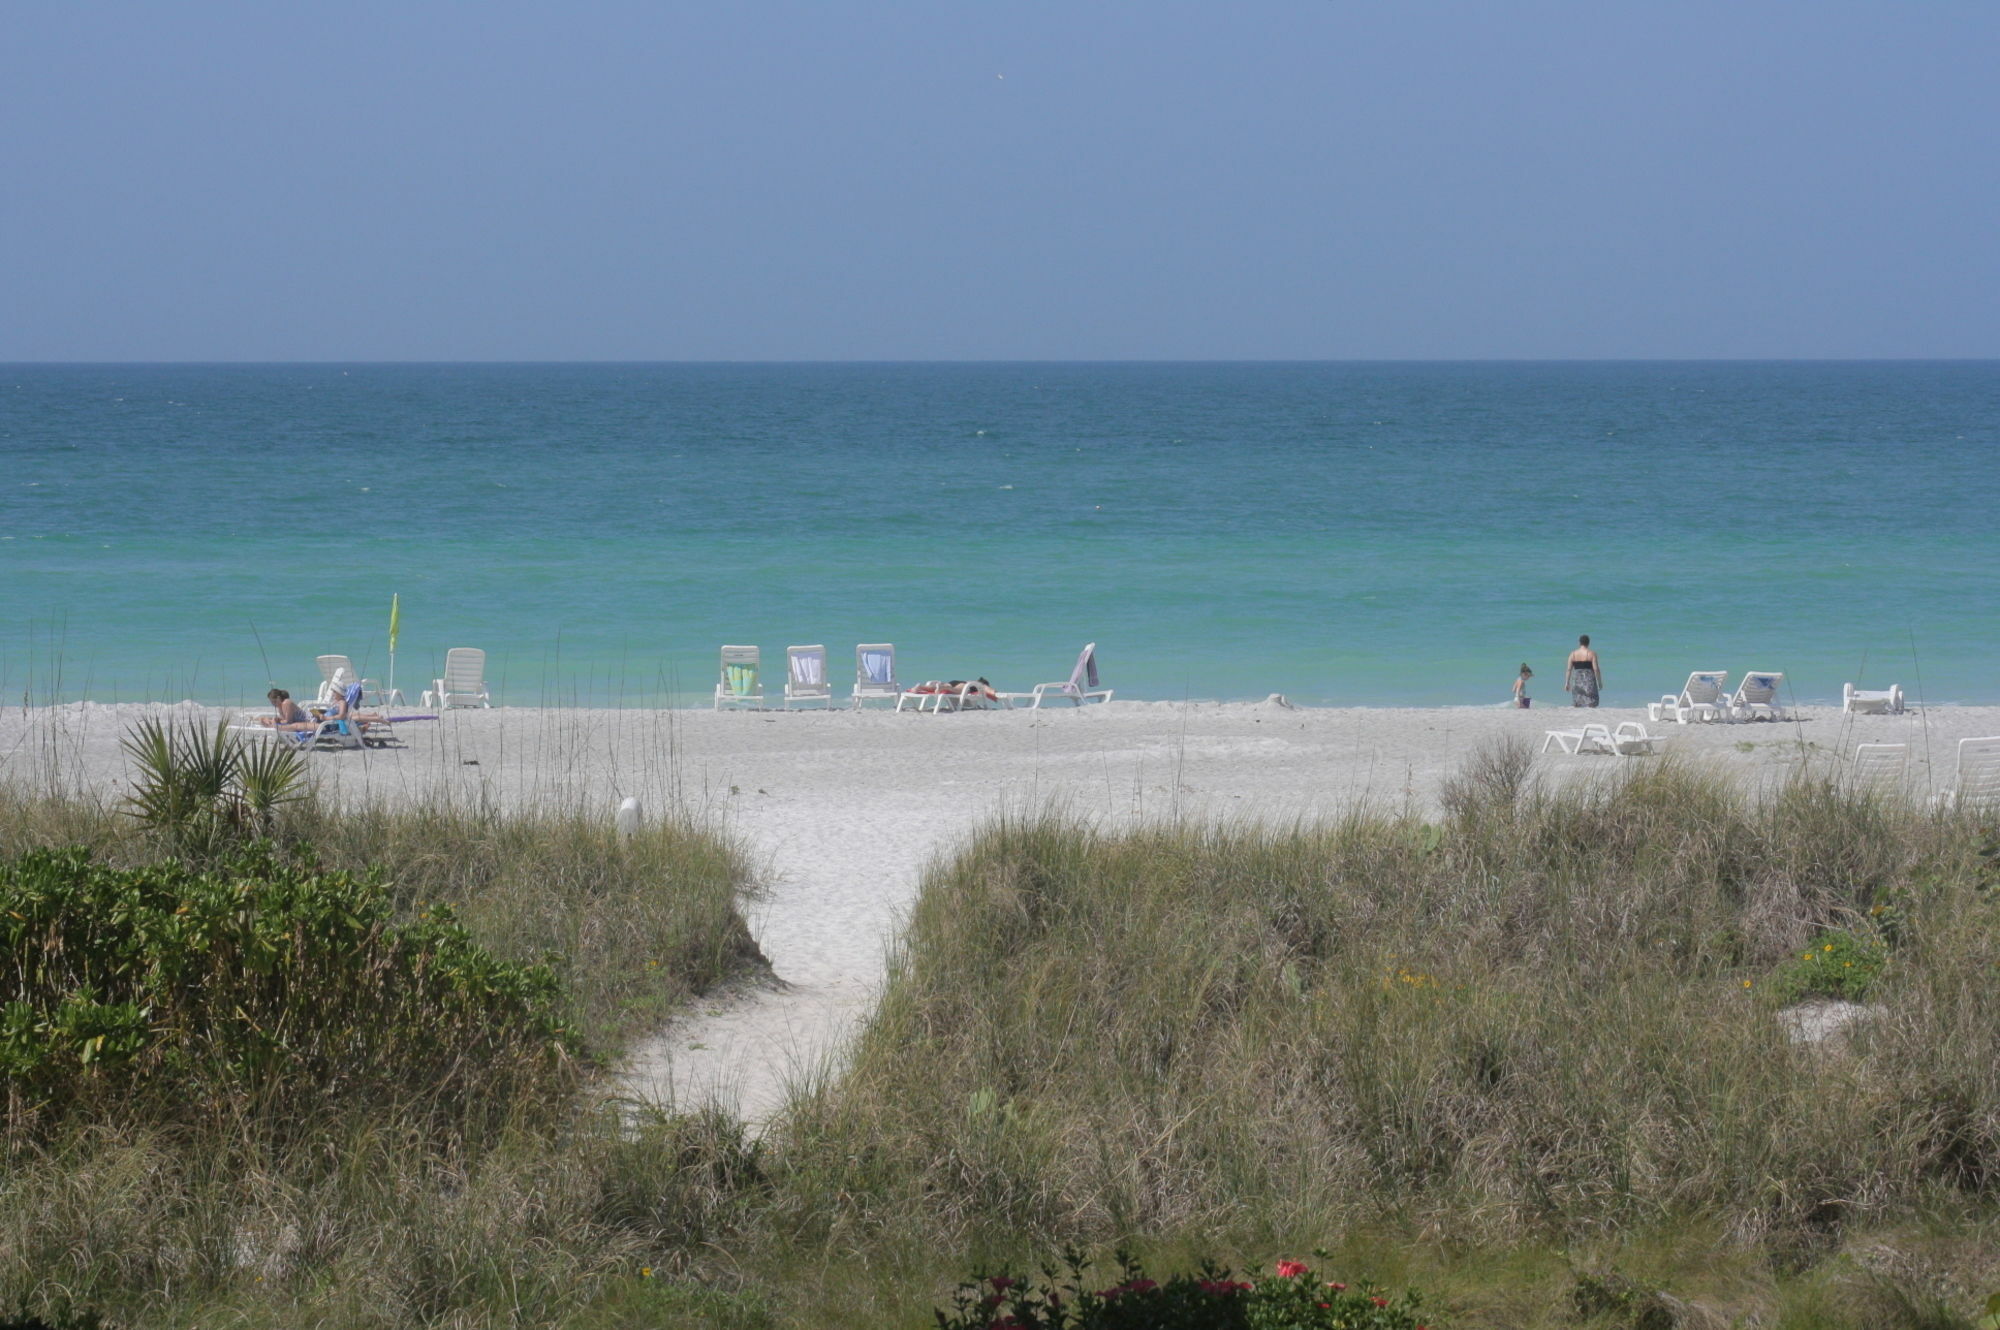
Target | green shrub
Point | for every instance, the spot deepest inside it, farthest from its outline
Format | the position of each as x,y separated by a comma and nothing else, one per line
1836,964
183,990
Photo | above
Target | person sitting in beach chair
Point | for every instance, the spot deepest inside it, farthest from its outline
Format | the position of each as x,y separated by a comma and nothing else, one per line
354,722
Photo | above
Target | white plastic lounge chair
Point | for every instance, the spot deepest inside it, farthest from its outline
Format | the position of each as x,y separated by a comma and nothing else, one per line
875,674
1591,738
937,695
931,695
1977,783
464,682
1631,740
326,732
1872,702
741,683
1080,687
1756,698
1700,698
1879,768
341,665
805,677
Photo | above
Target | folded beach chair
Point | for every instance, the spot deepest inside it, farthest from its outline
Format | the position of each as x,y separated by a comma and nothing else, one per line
1700,698
1631,740
1977,784
1590,739
341,665
464,682
805,676
740,684
875,674
1872,702
1080,687
1756,698
1879,768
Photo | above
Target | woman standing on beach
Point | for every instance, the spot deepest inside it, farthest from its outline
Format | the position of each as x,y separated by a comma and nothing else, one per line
1584,676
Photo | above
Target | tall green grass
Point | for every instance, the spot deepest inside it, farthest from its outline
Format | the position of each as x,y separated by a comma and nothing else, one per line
1525,1056
1539,1021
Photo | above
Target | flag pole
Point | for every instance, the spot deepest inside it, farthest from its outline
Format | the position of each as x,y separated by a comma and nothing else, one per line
395,621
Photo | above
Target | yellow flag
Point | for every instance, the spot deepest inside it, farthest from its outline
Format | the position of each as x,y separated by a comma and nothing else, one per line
395,618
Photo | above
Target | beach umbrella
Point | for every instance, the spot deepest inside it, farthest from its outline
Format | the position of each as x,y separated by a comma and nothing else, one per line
395,622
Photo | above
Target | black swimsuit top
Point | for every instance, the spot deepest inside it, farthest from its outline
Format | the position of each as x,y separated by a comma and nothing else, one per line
1582,665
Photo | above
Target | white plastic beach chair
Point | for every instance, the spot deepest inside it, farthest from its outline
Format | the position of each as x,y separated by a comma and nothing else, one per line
937,695
741,683
1631,740
1977,783
1700,698
1080,687
805,676
1756,698
1872,702
329,666
875,674
1879,768
464,682
326,732
1591,738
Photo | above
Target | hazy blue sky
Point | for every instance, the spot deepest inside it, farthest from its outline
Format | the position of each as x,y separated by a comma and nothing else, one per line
845,179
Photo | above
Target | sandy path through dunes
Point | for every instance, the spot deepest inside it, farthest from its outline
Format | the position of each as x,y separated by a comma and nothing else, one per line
842,811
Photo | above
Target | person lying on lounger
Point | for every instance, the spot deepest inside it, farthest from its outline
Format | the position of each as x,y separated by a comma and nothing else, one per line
291,716
976,690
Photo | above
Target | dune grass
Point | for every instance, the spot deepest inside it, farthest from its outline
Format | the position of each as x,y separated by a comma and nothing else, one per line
1541,1024
1527,1057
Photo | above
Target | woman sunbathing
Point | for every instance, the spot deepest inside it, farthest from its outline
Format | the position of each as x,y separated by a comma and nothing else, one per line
974,690
291,716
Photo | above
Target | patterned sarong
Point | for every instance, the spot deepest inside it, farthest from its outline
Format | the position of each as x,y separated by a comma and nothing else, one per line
1582,686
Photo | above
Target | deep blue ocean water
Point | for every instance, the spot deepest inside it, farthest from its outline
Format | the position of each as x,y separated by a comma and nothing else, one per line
1367,534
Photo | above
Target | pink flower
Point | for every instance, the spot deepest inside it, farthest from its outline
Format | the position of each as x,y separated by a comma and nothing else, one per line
1291,1269
1337,1287
1003,1282
1379,1302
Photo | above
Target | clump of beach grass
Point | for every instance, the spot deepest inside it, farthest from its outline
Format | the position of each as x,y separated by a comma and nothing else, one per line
1542,1020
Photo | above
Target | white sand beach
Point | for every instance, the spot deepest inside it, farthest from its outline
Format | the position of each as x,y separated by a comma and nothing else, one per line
841,811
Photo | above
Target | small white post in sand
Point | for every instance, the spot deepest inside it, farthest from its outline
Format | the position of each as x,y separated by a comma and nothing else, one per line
628,818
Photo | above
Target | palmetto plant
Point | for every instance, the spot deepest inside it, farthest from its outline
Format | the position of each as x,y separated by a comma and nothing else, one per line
202,791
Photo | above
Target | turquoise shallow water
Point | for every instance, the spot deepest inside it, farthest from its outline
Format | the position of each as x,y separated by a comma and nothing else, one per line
1367,534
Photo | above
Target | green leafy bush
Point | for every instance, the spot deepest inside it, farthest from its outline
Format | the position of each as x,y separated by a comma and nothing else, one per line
1295,1298
183,989
1838,964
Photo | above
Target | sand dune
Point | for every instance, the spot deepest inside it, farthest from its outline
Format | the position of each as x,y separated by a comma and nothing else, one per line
841,811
